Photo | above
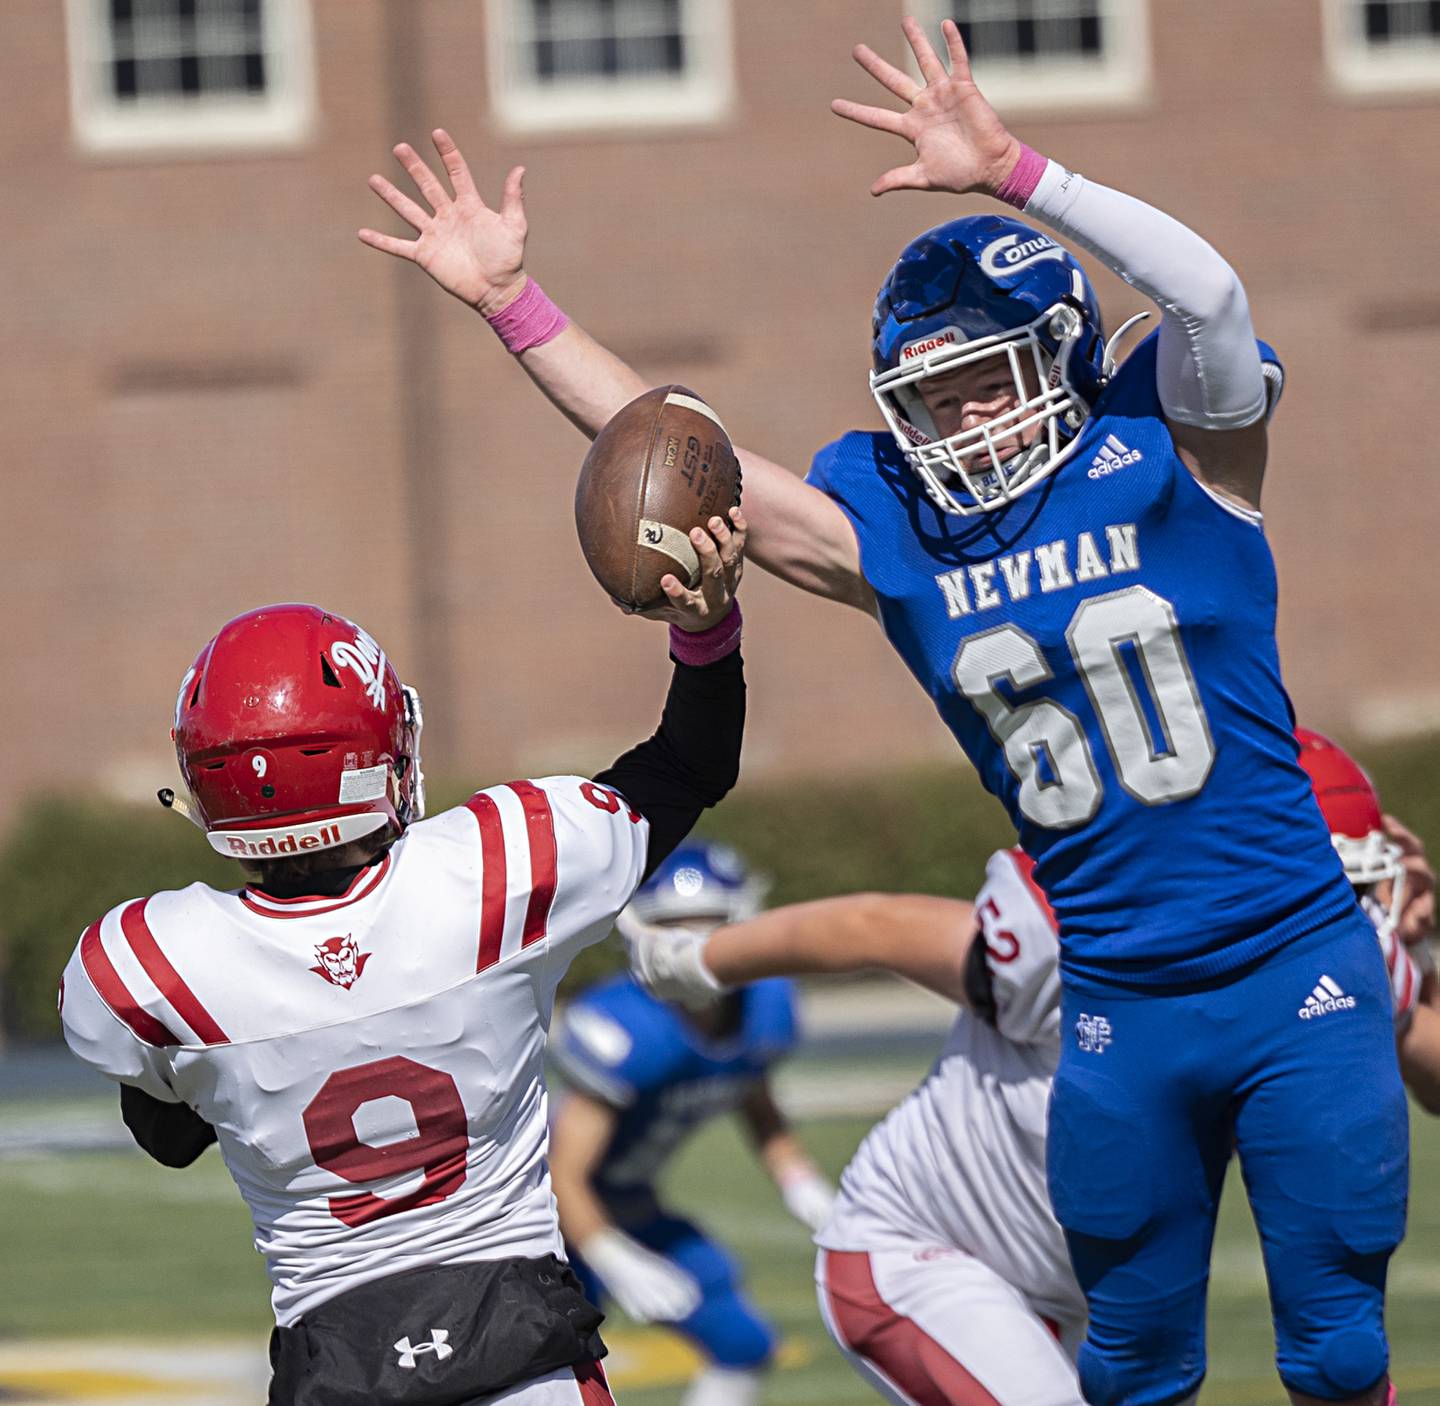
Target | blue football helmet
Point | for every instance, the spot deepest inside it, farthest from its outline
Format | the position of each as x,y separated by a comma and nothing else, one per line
981,288
701,884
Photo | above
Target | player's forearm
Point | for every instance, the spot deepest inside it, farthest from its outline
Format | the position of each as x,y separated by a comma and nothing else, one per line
581,1213
1208,372
1419,1051
172,1133
585,381
922,938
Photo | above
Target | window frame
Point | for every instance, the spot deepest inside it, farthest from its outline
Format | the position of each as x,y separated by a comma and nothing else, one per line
283,116
701,97
1120,78
1357,68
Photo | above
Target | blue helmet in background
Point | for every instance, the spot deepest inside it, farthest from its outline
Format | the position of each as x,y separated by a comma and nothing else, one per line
700,883
981,290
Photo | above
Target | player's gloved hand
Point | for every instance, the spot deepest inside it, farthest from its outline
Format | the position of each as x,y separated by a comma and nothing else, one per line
807,1195
669,962
646,1285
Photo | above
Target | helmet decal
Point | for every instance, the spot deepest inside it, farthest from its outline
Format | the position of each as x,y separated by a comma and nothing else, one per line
368,661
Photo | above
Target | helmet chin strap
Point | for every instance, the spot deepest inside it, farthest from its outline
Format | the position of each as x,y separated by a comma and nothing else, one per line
171,801
1107,364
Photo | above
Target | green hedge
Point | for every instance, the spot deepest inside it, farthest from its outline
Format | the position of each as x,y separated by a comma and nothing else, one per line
66,862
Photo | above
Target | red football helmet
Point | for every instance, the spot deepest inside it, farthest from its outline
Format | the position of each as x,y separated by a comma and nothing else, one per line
1351,808
294,734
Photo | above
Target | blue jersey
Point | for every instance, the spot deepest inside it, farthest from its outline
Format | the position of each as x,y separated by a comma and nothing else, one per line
1104,651
645,1058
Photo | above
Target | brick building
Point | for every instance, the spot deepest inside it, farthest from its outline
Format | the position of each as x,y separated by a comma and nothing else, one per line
215,396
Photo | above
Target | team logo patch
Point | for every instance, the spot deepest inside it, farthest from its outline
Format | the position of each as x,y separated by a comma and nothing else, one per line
340,961
1093,1033
1009,254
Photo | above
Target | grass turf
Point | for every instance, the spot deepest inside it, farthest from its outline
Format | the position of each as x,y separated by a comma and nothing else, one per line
106,1244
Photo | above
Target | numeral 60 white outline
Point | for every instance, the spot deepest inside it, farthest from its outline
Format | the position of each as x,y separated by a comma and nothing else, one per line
1098,630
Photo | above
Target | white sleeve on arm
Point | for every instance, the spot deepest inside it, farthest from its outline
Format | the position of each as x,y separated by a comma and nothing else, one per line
1208,368
100,1037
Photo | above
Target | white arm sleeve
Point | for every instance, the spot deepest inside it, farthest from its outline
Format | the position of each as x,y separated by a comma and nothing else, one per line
1208,369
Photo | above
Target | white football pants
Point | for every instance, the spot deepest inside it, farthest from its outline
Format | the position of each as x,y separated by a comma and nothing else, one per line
932,1326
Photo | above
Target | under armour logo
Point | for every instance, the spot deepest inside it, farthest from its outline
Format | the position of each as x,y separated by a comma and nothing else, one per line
439,1344
1093,1033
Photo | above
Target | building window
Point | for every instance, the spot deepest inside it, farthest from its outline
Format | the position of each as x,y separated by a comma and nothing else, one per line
181,74
1053,53
568,65
1383,46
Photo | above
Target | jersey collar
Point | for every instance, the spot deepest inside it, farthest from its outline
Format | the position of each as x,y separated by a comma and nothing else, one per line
361,886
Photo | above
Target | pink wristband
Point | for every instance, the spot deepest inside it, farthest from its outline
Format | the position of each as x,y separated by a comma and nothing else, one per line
1020,184
530,321
707,646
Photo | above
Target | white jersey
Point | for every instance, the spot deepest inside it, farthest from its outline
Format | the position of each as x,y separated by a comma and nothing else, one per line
372,1063
961,1162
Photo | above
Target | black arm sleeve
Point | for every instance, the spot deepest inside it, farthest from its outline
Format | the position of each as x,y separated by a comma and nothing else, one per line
692,760
172,1133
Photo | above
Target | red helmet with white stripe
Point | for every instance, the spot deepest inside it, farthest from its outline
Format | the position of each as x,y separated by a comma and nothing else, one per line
1351,808
294,734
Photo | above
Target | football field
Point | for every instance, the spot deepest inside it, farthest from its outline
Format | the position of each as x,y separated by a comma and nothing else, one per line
126,1283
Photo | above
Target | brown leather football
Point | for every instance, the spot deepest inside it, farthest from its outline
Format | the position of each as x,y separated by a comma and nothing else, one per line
662,466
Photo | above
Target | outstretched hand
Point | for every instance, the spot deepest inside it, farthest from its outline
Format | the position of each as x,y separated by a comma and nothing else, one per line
470,250
722,562
960,144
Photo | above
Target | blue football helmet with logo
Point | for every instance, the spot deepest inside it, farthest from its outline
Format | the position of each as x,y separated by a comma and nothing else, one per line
700,884
978,290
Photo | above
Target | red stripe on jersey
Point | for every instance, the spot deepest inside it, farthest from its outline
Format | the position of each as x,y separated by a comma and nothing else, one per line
594,1389
540,831
106,980
492,879
1025,867
897,1346
167,980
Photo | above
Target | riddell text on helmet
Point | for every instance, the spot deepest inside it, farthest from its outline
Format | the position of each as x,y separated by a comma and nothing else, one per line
286,844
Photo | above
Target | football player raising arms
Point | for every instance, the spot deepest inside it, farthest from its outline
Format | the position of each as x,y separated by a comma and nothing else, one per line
1069,556
361,1026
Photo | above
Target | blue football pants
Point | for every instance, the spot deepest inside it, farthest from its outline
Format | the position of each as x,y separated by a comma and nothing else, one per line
1291,1064
726,1327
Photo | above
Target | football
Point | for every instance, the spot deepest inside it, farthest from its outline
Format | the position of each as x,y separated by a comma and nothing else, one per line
662,466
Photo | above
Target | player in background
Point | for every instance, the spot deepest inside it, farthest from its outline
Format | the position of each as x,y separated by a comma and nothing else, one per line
942,1273
1395,884
644,1074
1069,555
361,1027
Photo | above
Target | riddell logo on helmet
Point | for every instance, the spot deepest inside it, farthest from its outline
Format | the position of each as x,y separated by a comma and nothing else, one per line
948,338
1009,254
292,843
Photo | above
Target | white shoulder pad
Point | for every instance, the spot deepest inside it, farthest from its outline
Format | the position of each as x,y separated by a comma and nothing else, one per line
105,1024
1022,950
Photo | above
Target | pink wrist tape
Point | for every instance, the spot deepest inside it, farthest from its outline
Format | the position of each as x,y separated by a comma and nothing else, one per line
530,321
1020,184
707,646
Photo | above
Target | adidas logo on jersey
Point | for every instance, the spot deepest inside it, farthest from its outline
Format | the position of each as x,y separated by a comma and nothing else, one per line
1113,457
1326,997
